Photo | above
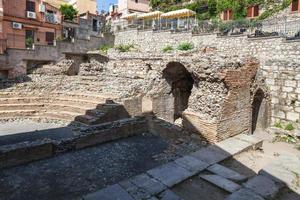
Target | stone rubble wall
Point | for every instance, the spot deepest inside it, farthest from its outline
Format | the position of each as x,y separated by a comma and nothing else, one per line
279,62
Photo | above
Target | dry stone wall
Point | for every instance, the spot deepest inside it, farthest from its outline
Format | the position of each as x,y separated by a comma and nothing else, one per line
279,62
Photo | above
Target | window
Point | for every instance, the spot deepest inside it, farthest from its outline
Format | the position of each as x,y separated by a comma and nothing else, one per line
253,11
95,25
30,6
295,5
227,15
49,38
136,1
29,38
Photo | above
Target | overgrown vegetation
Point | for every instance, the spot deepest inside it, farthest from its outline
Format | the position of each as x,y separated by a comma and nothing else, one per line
104,48
210,9
185,46
29,42
167,48
278,125
124,47
68,12
285,138
289,127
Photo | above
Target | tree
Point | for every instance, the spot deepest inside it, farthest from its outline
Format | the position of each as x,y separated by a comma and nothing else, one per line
68,11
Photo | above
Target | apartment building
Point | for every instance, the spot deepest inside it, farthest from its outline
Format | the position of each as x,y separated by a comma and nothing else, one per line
84,6
131,6
27,22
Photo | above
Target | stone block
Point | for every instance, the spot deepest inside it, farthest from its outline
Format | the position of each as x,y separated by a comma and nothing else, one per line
113,192
290,83
221,182
293,116
226,172
211,155
263,186
287,89
192,164
169,195
244,194
234,146
148,184
170,174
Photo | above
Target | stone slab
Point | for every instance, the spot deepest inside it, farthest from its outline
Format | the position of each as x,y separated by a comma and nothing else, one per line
148,184
113,192
170,174
221,182
234,146
263,186
285,169
244,194
169,195
251,139
192,164
134,191
211,155
226,172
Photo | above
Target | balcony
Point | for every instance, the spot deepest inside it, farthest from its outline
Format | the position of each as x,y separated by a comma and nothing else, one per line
51,18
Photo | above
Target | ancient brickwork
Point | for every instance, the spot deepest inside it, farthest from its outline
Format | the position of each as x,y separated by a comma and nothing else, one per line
278,62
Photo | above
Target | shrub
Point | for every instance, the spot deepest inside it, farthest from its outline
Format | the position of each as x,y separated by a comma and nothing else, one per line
289,127
68,11
29,42
285,138
167,48
185,46
124,47
278,125
104,48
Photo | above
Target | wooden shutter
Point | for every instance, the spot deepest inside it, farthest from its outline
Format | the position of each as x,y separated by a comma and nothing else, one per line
249,11
256,11
230,15
225,15
295,5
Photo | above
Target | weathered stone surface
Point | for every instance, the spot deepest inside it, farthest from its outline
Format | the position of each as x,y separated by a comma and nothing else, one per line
114,192
170,174
226,172
192,164
221,182
148,184
263,186
169,195
251,139
233,145
244,194
211,155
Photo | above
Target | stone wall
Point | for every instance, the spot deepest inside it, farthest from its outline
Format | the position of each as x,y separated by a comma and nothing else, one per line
279,62
15,60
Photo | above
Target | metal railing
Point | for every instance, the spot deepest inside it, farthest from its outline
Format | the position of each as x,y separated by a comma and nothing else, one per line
255,28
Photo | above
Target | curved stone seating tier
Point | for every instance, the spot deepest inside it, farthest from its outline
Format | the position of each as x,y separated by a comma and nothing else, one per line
84,108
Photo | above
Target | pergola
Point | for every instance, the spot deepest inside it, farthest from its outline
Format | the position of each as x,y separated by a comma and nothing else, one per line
178,14
150,17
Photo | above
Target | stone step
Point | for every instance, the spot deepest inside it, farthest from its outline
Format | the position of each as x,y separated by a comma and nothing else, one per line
226,173
69,108
221,182
29,106
16,113
16,100
61,115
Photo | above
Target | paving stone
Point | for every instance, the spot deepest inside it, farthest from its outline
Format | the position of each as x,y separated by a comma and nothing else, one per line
192,164
148,184
211,155
170,174
244,194
221,182
113,192
152,198
169,195
233,145
284,169
251,139
226,172
263,186
136,192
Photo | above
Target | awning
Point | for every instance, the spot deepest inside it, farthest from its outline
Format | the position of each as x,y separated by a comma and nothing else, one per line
130,16
179,13
150,15
55,3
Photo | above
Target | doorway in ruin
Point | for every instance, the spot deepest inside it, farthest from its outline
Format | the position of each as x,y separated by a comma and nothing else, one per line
181,83
259,111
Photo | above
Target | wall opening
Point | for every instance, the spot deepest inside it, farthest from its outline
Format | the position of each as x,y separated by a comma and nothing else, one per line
181,83
3,74
259,111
